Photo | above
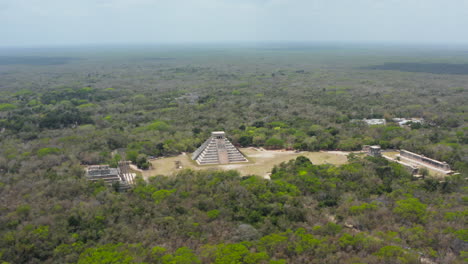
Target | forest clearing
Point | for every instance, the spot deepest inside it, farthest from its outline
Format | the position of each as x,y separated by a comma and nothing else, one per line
260,163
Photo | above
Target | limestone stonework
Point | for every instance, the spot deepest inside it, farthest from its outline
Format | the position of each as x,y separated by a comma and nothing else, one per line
218,150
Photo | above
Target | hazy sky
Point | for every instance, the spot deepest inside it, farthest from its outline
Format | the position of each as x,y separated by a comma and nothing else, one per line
57,22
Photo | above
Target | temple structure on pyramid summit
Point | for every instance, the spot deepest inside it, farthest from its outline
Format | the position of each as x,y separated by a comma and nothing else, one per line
218,150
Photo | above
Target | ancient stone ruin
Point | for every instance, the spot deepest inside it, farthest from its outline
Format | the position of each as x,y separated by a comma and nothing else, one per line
121,175
421,160
218,150
374,151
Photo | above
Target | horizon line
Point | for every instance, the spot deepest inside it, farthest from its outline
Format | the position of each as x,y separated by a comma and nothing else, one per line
239,43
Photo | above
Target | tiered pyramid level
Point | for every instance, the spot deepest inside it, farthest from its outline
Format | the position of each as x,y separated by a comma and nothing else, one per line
217,150
110,176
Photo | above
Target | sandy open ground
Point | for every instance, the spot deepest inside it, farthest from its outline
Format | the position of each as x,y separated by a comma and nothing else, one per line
260,161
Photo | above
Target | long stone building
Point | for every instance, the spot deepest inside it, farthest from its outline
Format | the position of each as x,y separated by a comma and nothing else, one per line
422,160
218,150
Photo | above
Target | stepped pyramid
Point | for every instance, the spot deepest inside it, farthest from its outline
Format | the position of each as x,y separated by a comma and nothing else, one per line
217,150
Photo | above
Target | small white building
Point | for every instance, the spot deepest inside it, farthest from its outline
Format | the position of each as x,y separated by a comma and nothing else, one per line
406,121
373,122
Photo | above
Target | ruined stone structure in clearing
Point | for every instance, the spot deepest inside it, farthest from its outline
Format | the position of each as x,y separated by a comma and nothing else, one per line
120,175
425,161
374,151
373,122
218,150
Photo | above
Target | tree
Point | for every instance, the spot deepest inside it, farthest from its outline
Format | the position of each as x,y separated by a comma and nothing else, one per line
424,172
142,162
411,209
245,141
274,143
396,254
231,254
183,255
106,254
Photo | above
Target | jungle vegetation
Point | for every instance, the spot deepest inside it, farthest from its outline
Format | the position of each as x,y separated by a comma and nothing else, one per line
65,108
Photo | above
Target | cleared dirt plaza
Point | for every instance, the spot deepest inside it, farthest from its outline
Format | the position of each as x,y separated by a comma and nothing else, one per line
260,163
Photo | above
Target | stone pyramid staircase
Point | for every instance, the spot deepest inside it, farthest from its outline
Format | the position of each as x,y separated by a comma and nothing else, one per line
217,150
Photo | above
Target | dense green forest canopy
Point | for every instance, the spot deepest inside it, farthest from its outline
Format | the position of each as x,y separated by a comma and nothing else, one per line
62,108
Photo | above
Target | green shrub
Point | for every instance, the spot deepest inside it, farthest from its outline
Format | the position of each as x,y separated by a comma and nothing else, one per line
274,143
213,214
364,207
7,107
411,209
47,151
